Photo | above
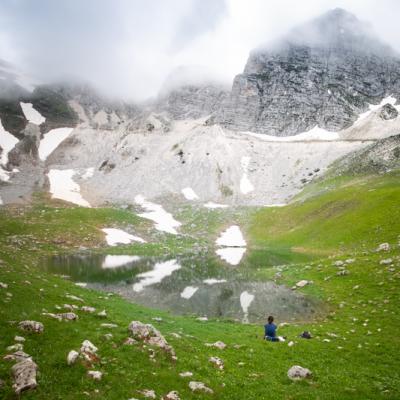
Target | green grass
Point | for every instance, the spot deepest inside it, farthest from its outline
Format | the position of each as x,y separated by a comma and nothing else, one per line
347,220
332,216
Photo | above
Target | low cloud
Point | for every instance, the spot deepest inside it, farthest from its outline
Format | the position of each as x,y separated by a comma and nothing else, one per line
127,48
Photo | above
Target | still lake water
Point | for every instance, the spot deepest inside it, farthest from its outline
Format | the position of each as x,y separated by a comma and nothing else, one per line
200,284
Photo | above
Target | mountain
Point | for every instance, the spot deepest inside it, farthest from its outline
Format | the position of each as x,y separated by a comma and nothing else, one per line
324,73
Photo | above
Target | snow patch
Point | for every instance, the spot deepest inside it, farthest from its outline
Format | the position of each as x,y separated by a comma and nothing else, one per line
246,299
314,134
31,114
7,143
112,261
374,107
63,187
211,204
115,236
231,237
164,221
189,194
232,255
245,185
188,292
156,275
51,141
88,173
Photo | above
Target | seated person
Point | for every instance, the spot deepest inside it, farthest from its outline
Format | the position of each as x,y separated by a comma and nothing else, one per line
270,331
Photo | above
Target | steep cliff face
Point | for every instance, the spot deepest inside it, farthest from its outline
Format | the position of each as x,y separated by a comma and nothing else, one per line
323,73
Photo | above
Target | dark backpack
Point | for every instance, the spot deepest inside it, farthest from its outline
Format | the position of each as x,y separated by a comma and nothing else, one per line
306,335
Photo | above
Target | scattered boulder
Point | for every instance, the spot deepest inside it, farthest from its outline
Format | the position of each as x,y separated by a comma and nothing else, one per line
109,325
383,247
174,395
24,375
75,298
3,285
186,374
199,387
72,357
150,335
16,347
19,339
130,341
95,375
338,263
150,394
17,356
343,272
387,261
68,316
88,309
302,283
102,314
31,326
217,362
296,373
88,347
218,345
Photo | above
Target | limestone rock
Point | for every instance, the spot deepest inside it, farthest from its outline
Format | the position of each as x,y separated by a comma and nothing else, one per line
199,387
302,283
24,374
95,375
387,261
88,347
296,373
3,285
311,78
148,334
186,374
218,345
174,395
31,326
72,357
88,309
383,247
150,394
217,362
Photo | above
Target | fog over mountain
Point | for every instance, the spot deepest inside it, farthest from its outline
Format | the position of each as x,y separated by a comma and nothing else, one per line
128,48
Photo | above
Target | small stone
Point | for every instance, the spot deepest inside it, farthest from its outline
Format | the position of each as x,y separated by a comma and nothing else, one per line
88,309
186,374
387,261
218,345
383,247
173,395
15,347
75,298
96,375
31,326
218,363
150,394
109,326
102,314
338,263
302,283
19,339
24,374
291,343
296,373
72,357
199,387
3,285
130,341
88,347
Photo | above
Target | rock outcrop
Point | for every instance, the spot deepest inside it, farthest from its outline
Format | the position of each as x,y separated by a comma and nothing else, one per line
323,73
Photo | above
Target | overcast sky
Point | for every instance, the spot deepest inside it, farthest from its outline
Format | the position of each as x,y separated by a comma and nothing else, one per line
128,47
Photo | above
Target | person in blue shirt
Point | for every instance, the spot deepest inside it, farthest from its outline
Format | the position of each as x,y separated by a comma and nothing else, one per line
270,330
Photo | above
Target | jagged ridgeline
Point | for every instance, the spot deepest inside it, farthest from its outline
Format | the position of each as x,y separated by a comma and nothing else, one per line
322,73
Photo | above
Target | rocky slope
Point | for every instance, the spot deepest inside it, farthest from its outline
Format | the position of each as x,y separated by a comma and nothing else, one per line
323,73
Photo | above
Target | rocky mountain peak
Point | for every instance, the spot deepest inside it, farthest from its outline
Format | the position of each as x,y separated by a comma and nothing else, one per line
323,73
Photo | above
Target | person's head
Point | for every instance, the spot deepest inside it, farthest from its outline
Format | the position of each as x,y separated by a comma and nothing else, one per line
270,319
